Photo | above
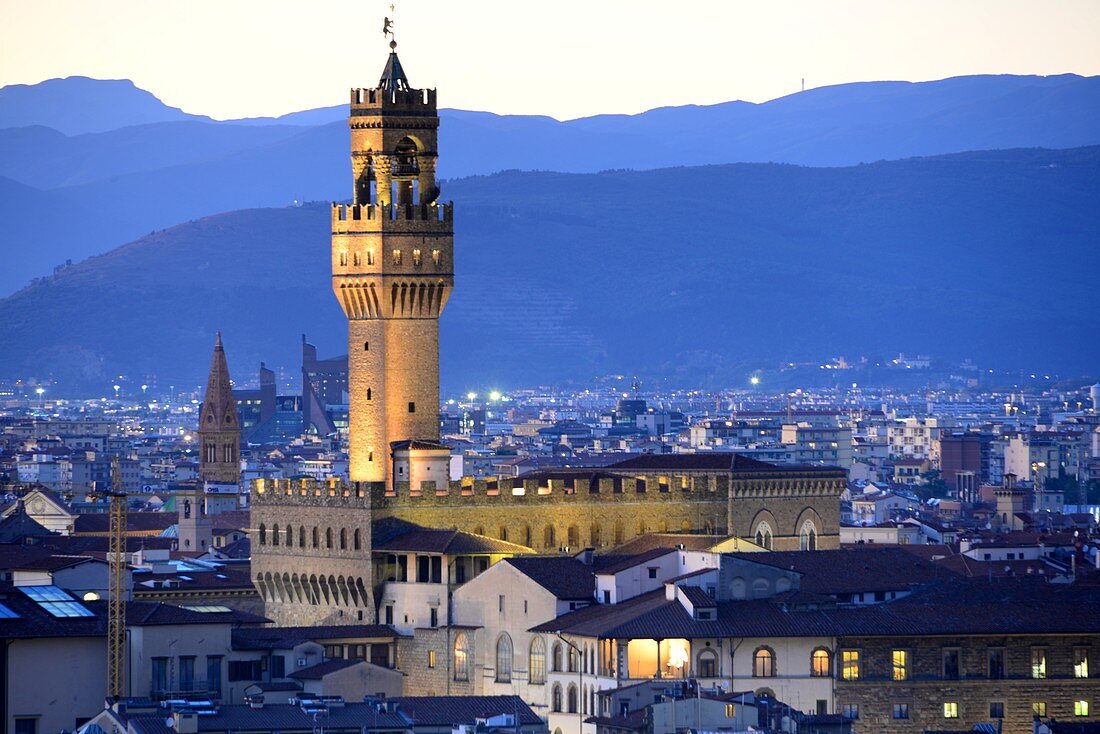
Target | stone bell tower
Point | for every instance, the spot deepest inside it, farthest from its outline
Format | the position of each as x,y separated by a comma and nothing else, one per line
219,430
392,272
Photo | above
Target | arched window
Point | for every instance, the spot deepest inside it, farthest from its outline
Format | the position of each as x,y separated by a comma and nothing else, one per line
343,538
502,533
328,537
571,699
763,663
548,539
536,661
821,663
289,537
618,533
594,535
527,538
555,659
357,542
807,537
316,537
504,659
573,537
764,535
555,699
301,537
462,657
707,664
685,526
584,699
478,530
641,527
263,534
572,655
275,534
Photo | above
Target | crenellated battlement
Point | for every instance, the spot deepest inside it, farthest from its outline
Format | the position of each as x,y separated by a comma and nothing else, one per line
371,101
344,216
332,492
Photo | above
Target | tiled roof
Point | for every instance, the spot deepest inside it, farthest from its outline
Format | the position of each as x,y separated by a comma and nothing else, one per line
136,522
275,717
635,560
320,670
950,607
282,638
451,542
712,461
851,570
563,576
698,598
451,710
690,541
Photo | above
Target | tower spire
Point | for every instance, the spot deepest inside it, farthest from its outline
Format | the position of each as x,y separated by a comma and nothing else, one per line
219,430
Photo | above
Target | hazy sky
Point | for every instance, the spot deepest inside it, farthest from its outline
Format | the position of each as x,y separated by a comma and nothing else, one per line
566,58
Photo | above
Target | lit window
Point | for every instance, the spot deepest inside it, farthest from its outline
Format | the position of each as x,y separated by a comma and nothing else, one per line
437,257
819,663
343,258
1039,708
849,665
370,257
731,710
416,258
1080,662
950,710
1038,662
763,663
397,257
355,259
901,664
462,657
431,658
1080,708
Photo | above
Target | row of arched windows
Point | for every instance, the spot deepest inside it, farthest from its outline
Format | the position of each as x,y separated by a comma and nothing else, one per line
764,663
587,699
562,659
327,538
596,536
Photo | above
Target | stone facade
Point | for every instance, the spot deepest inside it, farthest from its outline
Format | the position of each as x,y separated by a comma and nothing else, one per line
392,271
930,685
311,552
427,659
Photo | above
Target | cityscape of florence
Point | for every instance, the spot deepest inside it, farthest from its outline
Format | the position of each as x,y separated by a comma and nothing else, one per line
736,373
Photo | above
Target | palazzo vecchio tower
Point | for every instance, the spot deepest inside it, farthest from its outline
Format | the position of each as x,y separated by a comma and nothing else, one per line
392,272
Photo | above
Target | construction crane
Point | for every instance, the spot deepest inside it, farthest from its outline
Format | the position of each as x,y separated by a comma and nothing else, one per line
116,604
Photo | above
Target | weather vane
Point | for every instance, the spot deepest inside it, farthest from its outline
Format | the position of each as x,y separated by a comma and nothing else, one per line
387,28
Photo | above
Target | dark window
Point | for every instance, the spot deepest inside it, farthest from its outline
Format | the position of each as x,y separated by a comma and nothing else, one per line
850,710
334,652
244,670
214,673
951,663
822,706
423,566
389,614
901,711
996,710
278,667
437,569
26,726
996,663
366,346
187,673
433,617
652,573
412,407
368,393
160,674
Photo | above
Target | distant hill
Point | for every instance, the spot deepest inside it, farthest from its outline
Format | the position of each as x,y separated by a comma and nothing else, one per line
154,166
76,105
694,274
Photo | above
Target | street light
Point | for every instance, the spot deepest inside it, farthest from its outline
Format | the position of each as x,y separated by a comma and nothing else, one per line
754,380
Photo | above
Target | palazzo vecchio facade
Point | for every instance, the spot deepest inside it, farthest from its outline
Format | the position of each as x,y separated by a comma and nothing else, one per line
392,273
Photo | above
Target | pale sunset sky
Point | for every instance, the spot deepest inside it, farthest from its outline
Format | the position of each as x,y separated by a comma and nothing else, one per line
566,59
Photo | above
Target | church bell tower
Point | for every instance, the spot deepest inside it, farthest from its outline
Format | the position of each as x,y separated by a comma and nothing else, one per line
392,272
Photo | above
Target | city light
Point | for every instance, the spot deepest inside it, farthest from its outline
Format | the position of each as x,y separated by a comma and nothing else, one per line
494,396
471,395
754,380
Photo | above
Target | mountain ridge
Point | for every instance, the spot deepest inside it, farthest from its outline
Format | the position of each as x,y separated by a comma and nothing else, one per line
565,275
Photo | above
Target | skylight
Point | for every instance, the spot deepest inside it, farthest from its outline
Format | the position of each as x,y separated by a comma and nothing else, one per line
7,613
207,608
55,601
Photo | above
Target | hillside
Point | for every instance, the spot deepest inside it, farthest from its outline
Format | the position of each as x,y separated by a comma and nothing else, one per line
161,166
697,273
